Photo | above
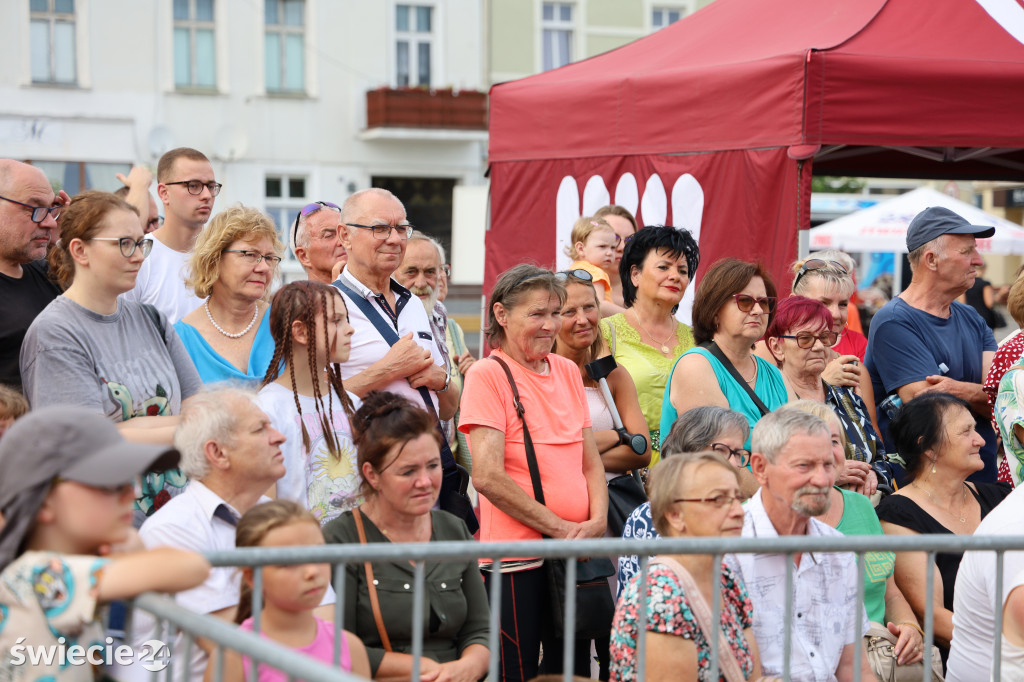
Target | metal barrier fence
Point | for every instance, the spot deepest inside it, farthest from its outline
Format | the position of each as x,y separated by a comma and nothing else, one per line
295,665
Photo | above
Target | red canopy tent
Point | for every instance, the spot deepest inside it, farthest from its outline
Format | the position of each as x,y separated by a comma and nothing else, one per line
715,122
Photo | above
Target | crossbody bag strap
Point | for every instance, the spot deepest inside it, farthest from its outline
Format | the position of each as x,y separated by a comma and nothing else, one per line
713,348
531,454
730,667
371,586
391,337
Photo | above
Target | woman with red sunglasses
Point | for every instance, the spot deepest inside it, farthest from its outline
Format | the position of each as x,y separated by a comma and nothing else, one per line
731,310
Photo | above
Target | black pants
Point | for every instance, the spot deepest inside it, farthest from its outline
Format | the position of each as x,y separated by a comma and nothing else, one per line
527,623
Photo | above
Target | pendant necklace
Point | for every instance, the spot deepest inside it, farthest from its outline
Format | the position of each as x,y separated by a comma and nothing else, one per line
664,349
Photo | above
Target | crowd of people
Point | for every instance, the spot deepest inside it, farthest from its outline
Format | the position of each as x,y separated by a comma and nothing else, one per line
164,396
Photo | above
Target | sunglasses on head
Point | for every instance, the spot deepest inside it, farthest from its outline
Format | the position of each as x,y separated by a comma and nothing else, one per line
746,303
577,273
813,264
310,209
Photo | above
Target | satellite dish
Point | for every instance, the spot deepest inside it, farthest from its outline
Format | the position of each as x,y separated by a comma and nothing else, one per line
160,140
230,144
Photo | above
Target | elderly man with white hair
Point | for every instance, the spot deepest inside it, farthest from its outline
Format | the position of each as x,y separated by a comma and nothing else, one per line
792,460
232,455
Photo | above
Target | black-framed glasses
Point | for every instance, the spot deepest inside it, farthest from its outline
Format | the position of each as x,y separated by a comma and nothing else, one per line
307,210
742,455
806,339
812,264
447,270
128,245
255,257
719,501
195,187
155,222
39,213
382,232
746,303
578,273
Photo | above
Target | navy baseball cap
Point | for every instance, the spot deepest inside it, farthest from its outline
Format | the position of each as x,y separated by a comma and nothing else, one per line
936,221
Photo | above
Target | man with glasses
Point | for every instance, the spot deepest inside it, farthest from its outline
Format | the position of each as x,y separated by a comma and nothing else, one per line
28,225
187,188
793,463
924,340
316,240
393,348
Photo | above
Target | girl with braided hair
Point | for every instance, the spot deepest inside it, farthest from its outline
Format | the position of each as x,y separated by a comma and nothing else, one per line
304,396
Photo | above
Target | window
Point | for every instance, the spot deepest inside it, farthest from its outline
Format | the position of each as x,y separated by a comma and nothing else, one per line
414,26
52,37
663,16
194,59
77,176
285,195
284,45
557,26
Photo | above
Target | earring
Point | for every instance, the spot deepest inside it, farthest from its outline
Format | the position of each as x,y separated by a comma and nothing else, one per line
933,466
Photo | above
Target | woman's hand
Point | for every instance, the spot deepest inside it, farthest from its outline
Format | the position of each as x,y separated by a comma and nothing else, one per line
859,477
594,528
455,671
843,371
909,647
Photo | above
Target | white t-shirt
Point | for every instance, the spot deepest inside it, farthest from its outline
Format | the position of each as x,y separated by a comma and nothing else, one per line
161,282
1012,656
974,594
325,485
368,346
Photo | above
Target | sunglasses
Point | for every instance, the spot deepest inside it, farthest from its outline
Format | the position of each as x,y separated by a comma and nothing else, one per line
813,264
577,273
806,340
746,303
310,209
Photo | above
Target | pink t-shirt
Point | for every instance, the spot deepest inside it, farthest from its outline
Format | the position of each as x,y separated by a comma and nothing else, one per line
321,649
556,412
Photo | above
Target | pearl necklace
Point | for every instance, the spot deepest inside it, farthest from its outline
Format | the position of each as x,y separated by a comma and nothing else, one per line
255,315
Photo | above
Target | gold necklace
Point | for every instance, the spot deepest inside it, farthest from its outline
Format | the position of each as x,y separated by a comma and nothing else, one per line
664,349
963,502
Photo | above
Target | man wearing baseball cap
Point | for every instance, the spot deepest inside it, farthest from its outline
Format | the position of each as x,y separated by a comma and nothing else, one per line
67,482
923,340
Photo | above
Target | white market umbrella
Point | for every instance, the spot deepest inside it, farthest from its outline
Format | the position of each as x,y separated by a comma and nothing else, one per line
882,228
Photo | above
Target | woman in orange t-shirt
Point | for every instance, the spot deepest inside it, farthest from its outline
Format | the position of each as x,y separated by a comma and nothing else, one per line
523,321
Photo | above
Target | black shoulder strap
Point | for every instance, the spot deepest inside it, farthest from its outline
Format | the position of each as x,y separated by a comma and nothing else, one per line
391,336
153,314
531,454
713,348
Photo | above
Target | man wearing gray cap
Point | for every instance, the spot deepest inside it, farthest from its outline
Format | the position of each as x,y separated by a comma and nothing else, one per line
67,482
923,340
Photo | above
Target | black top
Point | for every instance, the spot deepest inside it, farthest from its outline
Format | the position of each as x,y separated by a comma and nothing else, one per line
975,297
21,300
903,511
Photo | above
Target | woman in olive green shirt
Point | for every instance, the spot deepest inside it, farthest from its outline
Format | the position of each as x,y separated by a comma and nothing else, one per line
399,458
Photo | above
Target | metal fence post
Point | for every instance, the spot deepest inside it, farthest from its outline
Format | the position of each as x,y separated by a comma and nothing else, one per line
494,636
417,617
569,635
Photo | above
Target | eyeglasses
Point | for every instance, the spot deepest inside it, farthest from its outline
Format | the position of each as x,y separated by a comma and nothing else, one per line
578,273
255,257
817,264
447,270
719,501
39,213
155,222
806,340
746,303
742,455
382,232
128,245
307,210
195,187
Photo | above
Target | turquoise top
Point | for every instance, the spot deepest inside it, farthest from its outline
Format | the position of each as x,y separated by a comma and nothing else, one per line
212,367
769,388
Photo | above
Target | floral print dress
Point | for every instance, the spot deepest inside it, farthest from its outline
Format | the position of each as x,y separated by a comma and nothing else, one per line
668,612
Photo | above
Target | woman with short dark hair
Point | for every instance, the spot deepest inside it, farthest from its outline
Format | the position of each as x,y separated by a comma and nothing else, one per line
657,266
731,310
936,437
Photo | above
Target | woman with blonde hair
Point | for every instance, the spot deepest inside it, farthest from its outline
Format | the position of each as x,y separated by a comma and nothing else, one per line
232,267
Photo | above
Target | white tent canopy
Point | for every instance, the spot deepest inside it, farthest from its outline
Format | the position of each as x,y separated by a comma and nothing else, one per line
882,228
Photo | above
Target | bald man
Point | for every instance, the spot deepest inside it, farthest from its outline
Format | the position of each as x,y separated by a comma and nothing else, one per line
28,224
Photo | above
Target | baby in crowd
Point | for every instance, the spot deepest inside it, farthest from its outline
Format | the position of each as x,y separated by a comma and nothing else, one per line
593,243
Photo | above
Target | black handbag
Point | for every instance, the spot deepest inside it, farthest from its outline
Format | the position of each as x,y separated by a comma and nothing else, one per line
625,494
595,607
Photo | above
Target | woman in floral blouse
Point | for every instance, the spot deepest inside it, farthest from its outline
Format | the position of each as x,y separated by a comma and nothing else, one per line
691,496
